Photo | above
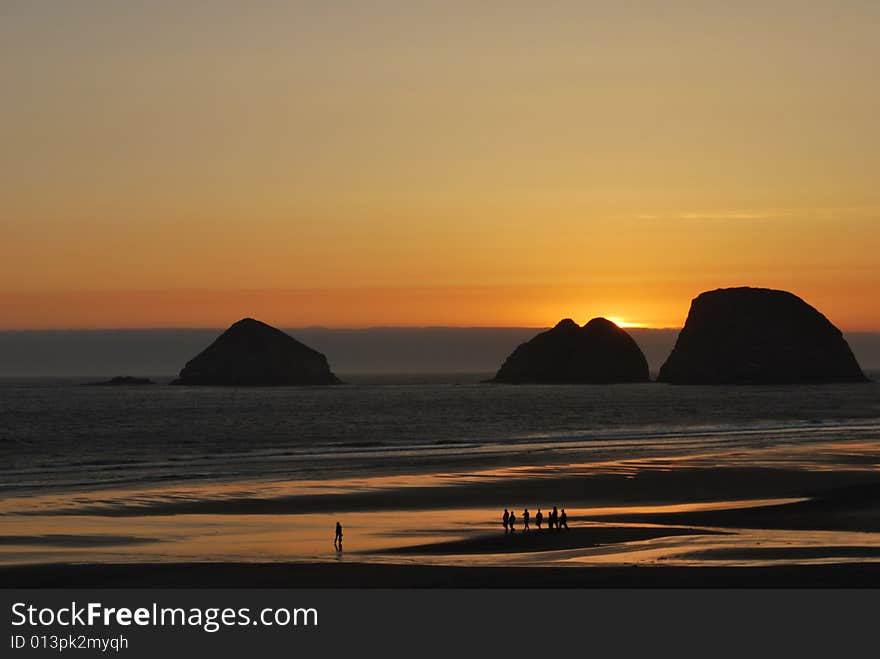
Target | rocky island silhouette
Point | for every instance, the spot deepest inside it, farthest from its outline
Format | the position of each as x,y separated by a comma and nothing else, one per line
758,336
600,352
737,336
252,353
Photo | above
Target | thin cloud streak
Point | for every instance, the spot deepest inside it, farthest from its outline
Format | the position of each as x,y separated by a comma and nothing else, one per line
828,213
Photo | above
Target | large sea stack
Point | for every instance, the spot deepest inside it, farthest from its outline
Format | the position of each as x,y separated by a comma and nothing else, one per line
758,336
597,353
251,353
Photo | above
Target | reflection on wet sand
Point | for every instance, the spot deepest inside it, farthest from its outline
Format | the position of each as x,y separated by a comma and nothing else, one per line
784,505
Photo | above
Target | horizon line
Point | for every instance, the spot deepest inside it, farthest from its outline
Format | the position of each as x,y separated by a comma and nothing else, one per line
342,328
304,327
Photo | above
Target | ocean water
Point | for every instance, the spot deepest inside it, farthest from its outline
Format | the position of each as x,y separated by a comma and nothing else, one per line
58,435
163,473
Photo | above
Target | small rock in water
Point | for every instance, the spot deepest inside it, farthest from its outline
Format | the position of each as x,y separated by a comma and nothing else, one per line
122,380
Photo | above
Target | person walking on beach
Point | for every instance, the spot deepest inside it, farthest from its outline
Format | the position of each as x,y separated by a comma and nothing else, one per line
512,522
526,519
337,539
554,519
563,520
538,517
505,519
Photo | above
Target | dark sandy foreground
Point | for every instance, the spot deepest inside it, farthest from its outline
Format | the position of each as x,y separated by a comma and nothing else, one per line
365,575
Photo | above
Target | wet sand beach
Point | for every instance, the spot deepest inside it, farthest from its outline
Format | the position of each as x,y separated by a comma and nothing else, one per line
805,515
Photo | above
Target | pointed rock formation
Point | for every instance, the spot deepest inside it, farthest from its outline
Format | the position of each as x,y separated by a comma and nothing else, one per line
251,353
758,336
599,352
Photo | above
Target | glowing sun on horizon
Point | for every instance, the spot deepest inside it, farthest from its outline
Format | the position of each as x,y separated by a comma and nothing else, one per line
622,322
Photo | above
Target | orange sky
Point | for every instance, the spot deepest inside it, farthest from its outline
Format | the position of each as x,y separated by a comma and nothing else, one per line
183,164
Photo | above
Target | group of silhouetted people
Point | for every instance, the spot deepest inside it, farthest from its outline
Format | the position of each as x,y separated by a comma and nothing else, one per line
555,520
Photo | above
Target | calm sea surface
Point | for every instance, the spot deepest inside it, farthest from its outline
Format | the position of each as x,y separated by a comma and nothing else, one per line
60,435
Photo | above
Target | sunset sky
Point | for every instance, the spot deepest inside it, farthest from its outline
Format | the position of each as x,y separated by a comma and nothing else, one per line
353,164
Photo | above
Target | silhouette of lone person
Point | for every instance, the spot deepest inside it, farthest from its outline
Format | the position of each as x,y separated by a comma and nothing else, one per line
337,539
526,519
539,516
563,520
512,521
505,519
